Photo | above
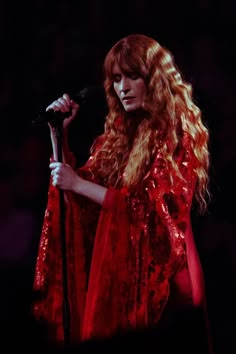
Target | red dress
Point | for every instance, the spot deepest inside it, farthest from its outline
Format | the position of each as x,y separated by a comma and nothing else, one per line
121,256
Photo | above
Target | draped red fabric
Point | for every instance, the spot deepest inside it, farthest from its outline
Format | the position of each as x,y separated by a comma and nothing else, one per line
121,256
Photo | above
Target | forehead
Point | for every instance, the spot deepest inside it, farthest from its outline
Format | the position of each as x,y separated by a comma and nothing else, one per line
116,68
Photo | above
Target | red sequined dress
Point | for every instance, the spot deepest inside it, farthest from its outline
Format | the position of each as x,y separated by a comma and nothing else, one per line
122,257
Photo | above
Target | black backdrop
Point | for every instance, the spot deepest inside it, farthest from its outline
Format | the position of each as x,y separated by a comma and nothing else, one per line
51,47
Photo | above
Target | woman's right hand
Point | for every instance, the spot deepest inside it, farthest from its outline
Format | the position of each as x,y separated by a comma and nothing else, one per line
64,104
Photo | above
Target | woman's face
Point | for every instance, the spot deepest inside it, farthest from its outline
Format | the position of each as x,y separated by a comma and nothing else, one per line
130,89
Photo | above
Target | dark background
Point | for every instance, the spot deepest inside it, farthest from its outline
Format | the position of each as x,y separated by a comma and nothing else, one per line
52,47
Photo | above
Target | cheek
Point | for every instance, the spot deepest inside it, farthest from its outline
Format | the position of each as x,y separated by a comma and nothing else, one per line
115,87
116,91
141,89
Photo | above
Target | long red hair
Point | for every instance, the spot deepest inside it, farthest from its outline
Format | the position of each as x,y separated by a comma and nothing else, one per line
128,147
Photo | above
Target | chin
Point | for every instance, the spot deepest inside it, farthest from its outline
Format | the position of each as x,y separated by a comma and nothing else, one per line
132,108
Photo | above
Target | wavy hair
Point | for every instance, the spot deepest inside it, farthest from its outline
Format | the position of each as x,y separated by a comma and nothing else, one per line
129,145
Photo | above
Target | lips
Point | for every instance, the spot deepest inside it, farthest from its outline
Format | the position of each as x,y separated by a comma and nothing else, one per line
128,98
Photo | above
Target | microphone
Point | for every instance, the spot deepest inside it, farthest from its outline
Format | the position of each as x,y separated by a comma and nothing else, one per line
52,116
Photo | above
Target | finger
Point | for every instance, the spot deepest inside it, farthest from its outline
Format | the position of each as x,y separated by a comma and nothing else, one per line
67,98
55,164
66,165
54,183
74,104
65,106
52,106
57,105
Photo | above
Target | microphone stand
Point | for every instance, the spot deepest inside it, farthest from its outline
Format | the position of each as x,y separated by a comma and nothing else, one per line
66,308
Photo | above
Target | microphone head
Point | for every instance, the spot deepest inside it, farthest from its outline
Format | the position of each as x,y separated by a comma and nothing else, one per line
86,93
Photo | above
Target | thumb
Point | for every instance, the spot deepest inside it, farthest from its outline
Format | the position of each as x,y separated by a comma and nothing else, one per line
74,104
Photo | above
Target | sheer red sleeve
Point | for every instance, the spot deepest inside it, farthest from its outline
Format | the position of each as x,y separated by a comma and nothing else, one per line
139,245
80,226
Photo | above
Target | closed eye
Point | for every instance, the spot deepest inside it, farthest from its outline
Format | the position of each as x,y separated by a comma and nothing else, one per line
117,78
133,76
130,75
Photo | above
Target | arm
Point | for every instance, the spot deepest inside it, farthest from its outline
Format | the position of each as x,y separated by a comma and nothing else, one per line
90,190
65,178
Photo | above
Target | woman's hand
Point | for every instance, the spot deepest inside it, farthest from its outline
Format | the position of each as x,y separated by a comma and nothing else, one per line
64,104
64,177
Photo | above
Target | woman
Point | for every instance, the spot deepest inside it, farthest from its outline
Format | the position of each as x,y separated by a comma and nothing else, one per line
132,258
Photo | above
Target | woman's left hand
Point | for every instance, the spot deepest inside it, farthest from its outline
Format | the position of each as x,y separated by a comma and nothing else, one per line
63,176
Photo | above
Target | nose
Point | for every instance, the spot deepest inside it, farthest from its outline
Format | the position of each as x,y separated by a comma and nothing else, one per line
124,86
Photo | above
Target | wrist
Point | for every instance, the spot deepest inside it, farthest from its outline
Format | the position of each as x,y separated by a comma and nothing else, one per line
78,185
